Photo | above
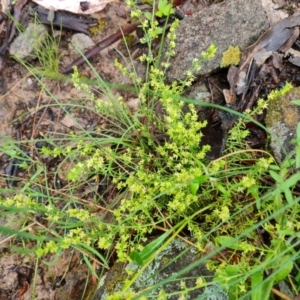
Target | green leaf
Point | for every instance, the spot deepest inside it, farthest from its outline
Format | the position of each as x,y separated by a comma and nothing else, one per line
256,285
297,102
298,157
255,193
148,15
97,254
140,257
195,184
228,242
194,188
159,13
274,167
290,182
232,270
298,132
223,190
201,179
260,289
289,196
286,165
164,9
276,176
23,234
150,248
91,268
285,269
277,206
155,33
293,180
136,258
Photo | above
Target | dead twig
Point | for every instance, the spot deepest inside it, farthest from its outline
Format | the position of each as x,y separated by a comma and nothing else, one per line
125,30
279,37
61,20
11,33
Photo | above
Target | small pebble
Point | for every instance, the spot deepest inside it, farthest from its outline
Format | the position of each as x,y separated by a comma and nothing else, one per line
134,104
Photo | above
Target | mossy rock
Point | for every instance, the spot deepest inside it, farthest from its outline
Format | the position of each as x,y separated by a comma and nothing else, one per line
282,119
174,258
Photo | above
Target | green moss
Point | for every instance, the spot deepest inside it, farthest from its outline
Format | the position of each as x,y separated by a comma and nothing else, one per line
117,278
129,40
290,8
165,260
99,27
231,57
147,2
283,110
280,106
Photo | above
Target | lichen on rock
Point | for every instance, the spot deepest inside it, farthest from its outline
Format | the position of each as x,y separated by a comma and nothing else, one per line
231,22
231,57
173,259
282,119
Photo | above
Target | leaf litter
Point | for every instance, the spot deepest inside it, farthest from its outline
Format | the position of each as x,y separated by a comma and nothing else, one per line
253,58
74,6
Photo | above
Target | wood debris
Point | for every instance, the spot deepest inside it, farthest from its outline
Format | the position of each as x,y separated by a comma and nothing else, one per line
278,38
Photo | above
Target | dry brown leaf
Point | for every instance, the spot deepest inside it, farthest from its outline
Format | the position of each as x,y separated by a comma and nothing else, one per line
69,121
294,56
5,6
279,37
271,8
74,6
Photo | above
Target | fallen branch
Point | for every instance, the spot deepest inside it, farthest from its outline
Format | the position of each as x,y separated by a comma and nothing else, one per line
62,20
125,30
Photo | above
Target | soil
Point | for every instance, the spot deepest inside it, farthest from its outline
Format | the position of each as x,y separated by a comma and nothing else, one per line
27,111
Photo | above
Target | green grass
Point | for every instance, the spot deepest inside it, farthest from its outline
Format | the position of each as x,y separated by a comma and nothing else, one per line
154,176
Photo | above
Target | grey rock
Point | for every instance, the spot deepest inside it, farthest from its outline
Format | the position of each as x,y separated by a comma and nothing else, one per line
134,104
234,22
282,119
81,42
213,292
25,45
170,261
286,289
199,92
6,113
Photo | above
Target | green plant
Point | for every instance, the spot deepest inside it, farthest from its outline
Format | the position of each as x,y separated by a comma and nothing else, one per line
71,225
158,178
164,9
46,51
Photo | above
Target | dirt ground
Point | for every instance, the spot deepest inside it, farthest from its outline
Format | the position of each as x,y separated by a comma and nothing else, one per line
26,112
